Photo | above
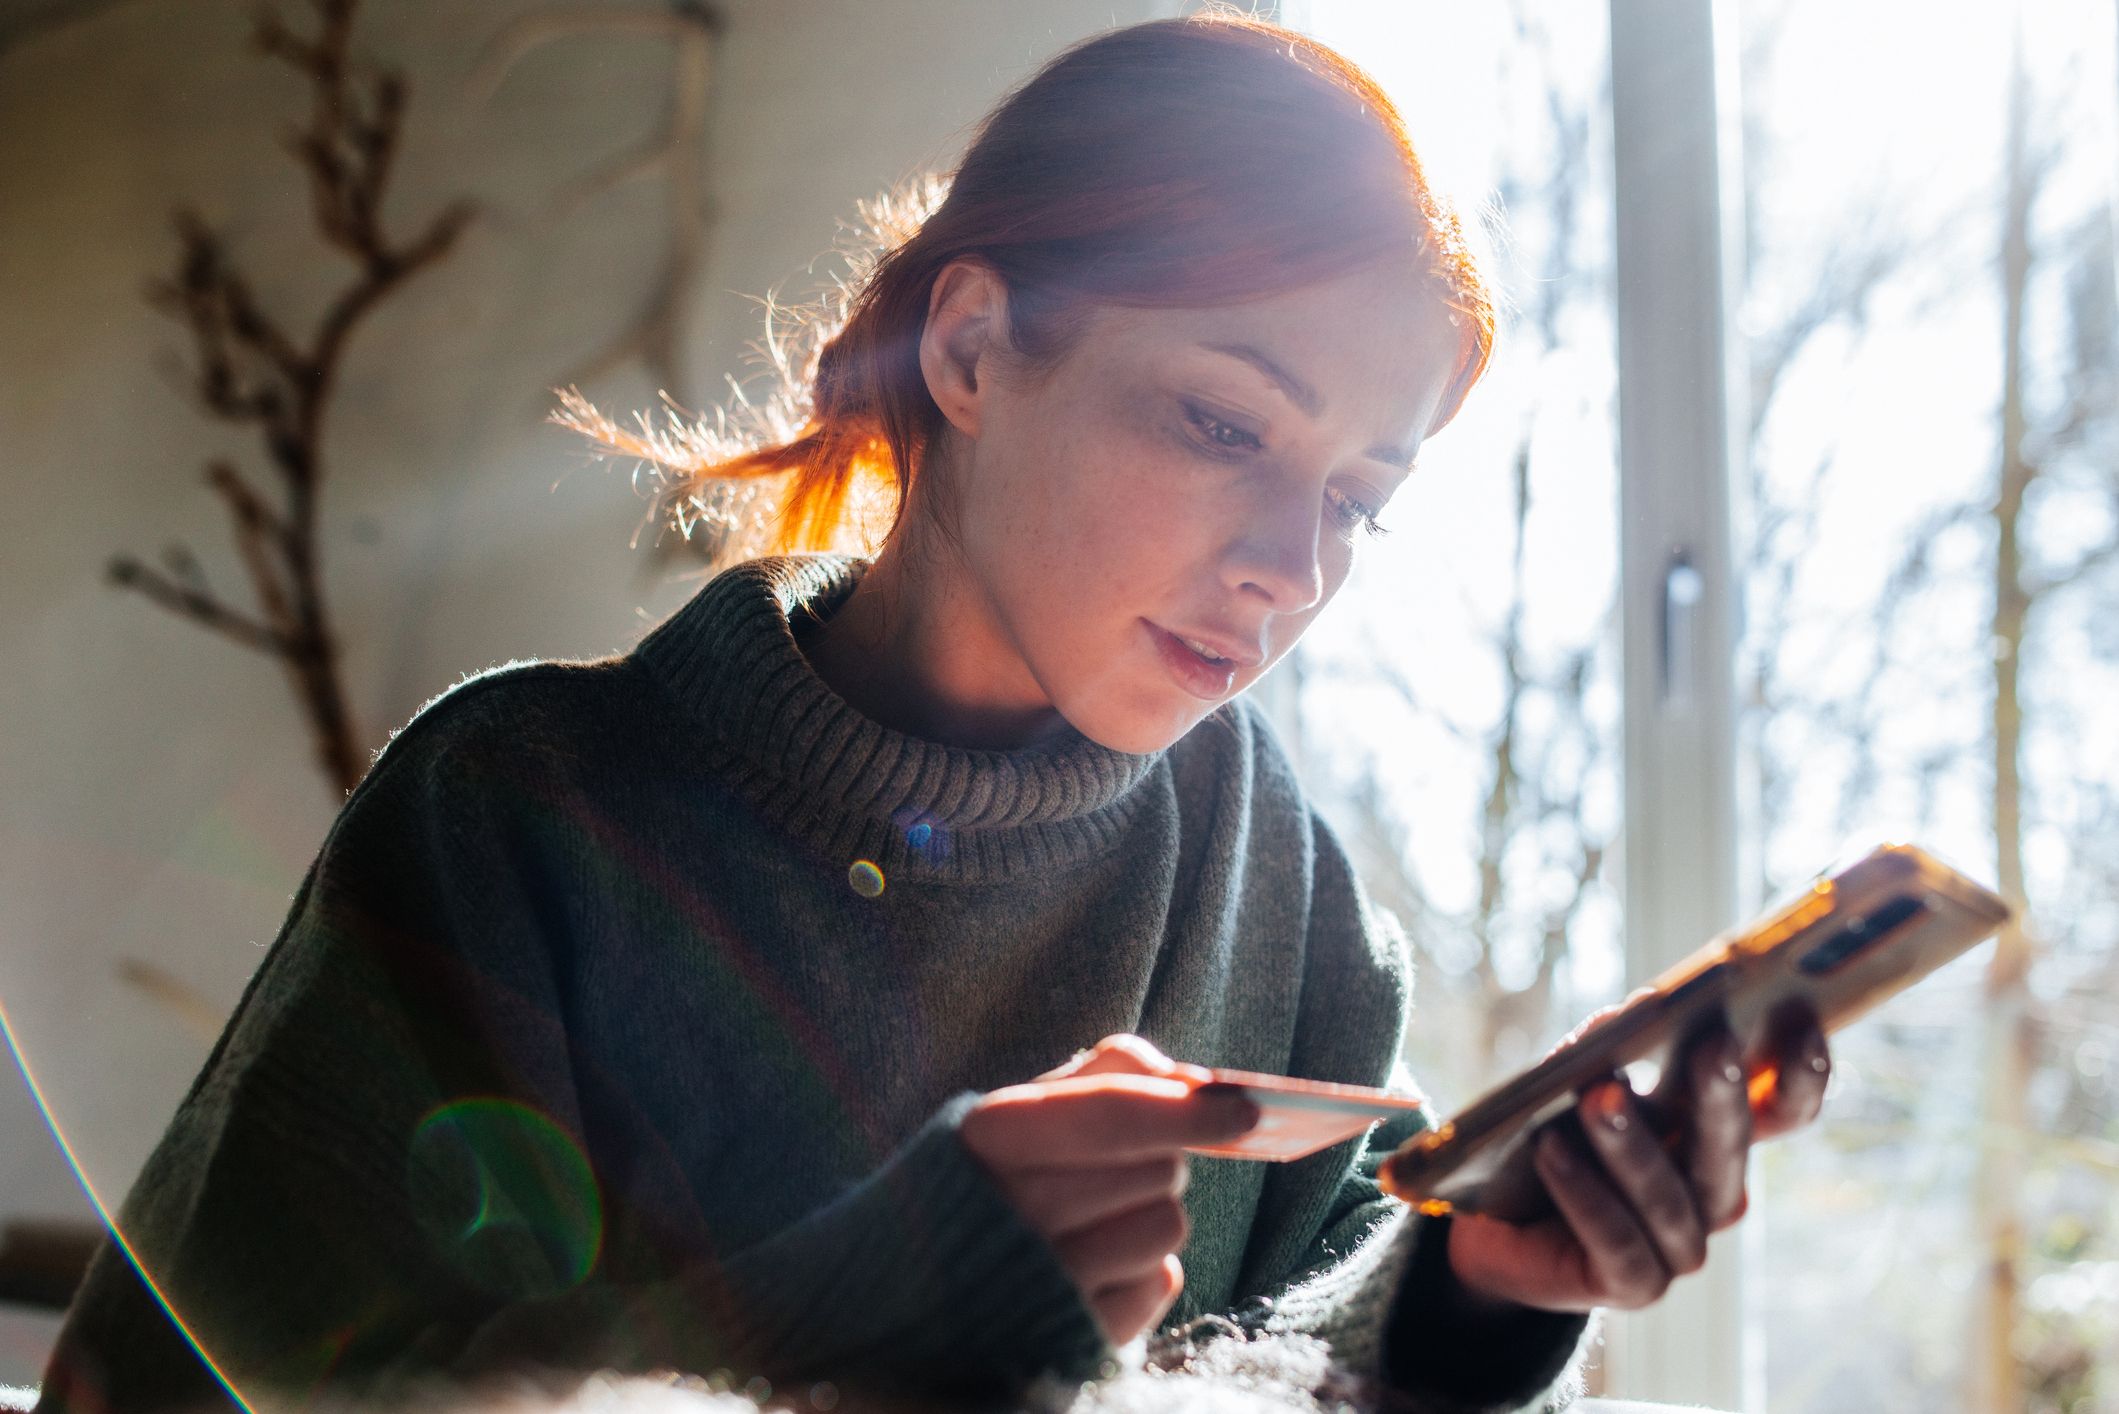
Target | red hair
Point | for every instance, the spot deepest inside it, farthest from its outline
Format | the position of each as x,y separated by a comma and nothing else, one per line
1185,162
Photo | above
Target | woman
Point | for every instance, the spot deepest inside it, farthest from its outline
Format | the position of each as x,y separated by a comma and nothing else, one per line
698,1007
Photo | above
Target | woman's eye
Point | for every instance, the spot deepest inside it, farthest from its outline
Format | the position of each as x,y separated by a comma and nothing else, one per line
1225,435
1352,514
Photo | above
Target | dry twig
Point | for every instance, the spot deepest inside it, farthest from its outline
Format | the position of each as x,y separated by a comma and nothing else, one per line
251,370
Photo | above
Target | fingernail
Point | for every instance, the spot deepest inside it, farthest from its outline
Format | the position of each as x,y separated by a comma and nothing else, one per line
1611,1104
1728,1059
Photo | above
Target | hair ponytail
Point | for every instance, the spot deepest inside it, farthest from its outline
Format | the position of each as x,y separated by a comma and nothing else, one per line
1182,162
811,466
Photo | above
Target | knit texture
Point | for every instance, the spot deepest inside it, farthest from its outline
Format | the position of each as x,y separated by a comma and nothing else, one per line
627,1015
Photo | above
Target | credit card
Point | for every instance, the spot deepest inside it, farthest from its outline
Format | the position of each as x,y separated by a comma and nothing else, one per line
1299,1117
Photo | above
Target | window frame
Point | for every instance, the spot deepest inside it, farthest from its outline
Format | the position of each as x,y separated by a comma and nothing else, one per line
1677,172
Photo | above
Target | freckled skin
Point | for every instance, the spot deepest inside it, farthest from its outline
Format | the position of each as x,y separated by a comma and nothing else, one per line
1097,498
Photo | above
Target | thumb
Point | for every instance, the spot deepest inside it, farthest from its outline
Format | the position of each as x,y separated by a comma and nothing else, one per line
1126,1054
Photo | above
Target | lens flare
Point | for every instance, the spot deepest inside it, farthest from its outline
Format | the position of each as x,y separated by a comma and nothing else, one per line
506,1195
866,878
926,836
110,1225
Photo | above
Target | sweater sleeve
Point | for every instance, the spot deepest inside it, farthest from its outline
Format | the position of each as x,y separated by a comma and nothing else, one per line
380,1177
1374,1281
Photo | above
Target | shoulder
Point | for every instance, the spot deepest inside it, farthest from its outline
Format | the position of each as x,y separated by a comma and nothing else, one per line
503,735
471,821
532,710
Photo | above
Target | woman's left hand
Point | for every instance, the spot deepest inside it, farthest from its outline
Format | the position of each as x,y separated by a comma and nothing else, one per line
1642,1181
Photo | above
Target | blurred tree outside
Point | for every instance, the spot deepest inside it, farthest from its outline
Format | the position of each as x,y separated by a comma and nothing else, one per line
1930,514
1934,572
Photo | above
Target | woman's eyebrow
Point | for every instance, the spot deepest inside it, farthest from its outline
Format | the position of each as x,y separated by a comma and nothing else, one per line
1299,393
1305,397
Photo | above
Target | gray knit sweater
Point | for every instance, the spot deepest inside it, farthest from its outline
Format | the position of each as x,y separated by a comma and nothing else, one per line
627,1013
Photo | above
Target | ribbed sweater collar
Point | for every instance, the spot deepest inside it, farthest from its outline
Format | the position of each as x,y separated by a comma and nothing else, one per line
850,786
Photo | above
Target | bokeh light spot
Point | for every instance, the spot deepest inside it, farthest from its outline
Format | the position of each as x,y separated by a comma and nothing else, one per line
925,835
866,878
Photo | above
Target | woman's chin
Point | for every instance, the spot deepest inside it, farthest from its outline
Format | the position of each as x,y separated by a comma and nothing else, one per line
1141,732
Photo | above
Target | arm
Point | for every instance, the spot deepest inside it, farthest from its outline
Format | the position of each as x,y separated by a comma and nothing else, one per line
381,1172
920,1279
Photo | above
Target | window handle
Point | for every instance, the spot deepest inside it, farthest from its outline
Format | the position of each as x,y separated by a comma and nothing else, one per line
1682,588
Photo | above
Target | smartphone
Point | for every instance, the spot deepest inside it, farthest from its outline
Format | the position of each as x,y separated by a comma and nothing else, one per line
1851,939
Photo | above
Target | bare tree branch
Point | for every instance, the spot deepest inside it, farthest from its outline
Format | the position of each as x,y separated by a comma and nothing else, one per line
194,604
251,371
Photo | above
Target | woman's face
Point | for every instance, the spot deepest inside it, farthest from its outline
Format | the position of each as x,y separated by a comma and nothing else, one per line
1148,529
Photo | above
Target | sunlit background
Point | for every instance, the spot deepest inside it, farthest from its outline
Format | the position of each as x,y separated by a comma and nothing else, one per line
1950,1237
1922,390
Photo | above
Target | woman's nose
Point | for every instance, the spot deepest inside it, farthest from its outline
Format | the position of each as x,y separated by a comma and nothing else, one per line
1275,555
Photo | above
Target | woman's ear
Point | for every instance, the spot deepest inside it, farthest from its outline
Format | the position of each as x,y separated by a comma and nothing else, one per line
966,309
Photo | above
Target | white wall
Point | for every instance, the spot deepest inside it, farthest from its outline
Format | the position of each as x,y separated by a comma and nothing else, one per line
157,794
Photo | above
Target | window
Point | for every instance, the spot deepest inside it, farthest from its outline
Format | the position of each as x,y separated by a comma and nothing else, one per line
1929,320
1853,342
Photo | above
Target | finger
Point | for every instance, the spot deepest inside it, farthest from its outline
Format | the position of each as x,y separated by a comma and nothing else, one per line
1620,1263
1060,1201
1706,1088
1125,1247
1125,1310
1641,1169
1095,1121
1790,1091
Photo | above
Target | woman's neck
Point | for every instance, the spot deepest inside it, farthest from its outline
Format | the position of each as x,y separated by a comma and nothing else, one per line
918,651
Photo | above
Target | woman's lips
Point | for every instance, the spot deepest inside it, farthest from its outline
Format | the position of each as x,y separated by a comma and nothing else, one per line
1202,677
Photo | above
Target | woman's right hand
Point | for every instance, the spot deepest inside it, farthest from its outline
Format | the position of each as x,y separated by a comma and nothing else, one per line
1092,1155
